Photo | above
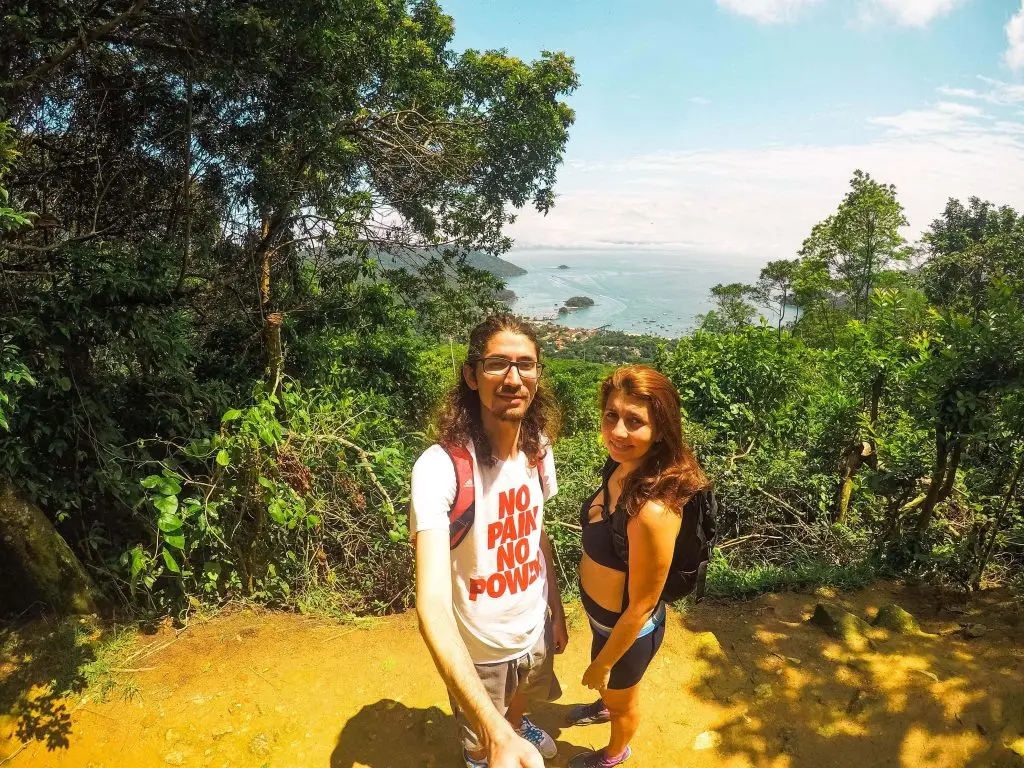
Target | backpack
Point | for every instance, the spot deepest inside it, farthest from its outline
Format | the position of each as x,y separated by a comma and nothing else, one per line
463,509
462,512
694,545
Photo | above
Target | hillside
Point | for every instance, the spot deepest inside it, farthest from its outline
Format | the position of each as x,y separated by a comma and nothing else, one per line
411,259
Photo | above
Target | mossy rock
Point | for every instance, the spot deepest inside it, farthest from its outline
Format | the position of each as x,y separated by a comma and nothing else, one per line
897,620
841,625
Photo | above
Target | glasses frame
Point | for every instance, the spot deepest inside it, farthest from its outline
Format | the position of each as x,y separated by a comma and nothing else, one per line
508,366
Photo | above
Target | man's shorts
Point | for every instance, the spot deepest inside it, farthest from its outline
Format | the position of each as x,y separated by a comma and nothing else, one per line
532,675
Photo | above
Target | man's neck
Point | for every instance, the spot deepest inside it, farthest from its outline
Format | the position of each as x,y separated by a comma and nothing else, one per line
503,435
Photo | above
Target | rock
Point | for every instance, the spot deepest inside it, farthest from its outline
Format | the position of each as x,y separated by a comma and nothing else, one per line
897,620
975,631
174,758
707,740
259,745
224,730
764,691
841,625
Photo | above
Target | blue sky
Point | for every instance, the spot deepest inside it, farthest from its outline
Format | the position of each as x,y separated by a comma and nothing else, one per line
731,126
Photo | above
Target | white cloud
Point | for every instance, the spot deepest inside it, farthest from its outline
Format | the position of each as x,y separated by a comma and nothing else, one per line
767,11
760,204
910,13
997,92
945,117
1015,38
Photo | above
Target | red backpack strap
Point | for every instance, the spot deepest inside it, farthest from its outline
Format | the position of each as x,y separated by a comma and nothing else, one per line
463,509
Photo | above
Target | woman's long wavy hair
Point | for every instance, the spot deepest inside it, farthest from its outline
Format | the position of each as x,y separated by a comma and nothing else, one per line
460,420
669,473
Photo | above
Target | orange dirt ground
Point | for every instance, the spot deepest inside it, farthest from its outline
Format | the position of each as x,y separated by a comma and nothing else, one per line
735,684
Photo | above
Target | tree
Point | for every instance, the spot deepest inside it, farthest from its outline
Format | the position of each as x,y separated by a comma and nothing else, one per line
775,286
733,310
860,239
211,179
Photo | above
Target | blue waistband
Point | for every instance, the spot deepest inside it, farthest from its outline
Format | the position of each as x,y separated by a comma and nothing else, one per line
656,620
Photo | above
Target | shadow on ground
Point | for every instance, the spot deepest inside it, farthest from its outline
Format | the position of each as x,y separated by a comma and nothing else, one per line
40,664
792,696
388,734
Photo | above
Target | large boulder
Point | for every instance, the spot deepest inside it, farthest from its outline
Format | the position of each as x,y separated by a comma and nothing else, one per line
896,620
841,625
38,563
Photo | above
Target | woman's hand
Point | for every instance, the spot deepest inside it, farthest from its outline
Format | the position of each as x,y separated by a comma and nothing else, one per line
596,676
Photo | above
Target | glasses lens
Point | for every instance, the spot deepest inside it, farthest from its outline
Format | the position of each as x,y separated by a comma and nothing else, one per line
527,368
495,365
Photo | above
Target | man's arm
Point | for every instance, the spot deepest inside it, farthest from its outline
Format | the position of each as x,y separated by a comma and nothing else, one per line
561,631
505,749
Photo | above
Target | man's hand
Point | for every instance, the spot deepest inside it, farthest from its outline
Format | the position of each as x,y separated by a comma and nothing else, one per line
560,632
512,751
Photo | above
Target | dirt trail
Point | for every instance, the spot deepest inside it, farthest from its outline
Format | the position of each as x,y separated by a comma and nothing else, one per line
751,682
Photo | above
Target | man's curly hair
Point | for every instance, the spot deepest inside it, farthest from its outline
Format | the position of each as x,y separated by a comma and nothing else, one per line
460,421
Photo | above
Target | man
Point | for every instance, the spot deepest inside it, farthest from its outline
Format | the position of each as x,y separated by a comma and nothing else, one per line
488,604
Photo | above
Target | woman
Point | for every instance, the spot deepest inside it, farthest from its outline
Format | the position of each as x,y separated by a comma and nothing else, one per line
650,475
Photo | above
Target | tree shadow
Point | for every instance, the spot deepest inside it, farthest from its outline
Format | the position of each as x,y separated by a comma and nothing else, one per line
389,734
788,694
41,663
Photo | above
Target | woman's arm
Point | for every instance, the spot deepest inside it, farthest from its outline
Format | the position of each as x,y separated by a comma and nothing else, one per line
652,538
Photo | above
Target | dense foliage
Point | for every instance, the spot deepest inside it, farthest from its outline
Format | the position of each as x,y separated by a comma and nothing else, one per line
214,377
209,376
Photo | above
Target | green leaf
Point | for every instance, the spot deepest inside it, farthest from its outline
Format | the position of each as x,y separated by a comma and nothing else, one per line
168,486
138,560
231,415
166,505
172,564
169,523
223,457
176,540
276,513
151,481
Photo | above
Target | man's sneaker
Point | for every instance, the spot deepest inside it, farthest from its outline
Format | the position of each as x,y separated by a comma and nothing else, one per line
597,759
544,743
589,714
471,763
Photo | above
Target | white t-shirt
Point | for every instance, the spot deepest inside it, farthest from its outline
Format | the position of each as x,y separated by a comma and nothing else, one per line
499,577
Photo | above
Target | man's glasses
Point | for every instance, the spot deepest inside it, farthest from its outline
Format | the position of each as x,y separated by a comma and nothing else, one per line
498,366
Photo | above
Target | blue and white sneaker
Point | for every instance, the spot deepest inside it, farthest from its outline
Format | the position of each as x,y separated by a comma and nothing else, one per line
541,740
471,763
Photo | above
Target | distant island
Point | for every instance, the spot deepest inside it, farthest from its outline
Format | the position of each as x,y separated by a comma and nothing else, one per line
577,302
563,266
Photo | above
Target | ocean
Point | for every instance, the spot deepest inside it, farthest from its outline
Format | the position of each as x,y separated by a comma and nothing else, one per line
655,292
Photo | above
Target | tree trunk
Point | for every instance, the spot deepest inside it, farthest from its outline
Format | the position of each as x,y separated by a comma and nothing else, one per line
848,466
271,320
998,524
40,565
935,484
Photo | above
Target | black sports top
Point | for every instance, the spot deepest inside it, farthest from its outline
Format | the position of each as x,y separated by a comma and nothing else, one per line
597,535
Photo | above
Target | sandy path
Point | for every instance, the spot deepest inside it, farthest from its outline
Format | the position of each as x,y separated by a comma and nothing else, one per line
751,680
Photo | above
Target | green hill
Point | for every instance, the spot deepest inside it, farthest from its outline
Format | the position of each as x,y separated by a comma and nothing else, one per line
412,258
